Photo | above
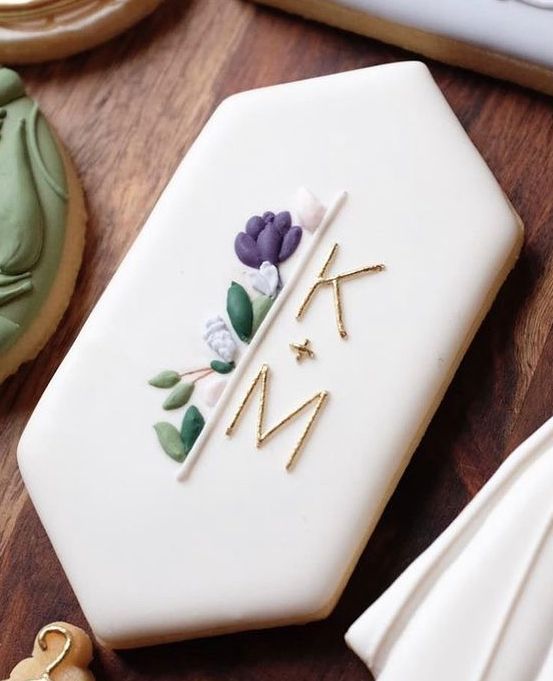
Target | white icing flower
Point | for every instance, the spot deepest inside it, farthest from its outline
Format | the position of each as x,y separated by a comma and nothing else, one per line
219,339
265,279
309,209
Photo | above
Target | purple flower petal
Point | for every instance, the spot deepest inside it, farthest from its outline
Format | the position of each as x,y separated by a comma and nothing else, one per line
283,221
268,217
290,242
246,249
254,226
269,243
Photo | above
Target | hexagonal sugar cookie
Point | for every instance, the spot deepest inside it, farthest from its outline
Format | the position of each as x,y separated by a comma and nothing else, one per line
218,445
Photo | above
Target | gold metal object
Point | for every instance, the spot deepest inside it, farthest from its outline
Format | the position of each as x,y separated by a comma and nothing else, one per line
303,350
41,639
260,435
335,282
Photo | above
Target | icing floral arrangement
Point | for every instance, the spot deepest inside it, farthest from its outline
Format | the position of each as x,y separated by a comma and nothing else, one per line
266,241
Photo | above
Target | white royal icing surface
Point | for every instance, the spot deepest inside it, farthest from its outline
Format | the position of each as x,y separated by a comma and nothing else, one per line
518,28
477,605
239,543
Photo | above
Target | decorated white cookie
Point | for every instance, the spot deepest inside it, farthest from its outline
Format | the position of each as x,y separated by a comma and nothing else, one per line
476,605
221,440
509,39
42,225
40,30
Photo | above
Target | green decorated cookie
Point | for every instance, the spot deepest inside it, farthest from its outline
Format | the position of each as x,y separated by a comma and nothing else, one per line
42,220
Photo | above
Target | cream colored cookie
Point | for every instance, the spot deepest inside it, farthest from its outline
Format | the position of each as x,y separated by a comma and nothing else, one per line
39,30
375,238
62,652
507,39
42,227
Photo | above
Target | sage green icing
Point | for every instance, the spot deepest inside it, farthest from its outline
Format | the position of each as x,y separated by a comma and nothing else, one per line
17,289
60,189
171,441
21,223
261,306
11,86
33,210
179,396
165,379
9,279
8,331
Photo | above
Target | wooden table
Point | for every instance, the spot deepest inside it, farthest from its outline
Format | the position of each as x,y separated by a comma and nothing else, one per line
128,111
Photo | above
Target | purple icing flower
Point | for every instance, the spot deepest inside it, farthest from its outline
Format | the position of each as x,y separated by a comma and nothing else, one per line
267,238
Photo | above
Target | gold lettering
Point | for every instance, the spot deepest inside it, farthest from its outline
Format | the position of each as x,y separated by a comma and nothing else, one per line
262,435
335,282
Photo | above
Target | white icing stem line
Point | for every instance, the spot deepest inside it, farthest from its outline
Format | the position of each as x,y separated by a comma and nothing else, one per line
465,526
331,212
512,603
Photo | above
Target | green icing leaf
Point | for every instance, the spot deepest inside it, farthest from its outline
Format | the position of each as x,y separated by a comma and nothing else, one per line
179,396
165,379
11,86
170,439
239,308
192,425
222,367
261,306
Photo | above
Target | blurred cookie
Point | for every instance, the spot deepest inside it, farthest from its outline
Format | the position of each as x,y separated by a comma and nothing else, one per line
40,30
508,39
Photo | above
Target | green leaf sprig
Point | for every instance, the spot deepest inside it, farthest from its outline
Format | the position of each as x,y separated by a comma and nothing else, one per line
178,445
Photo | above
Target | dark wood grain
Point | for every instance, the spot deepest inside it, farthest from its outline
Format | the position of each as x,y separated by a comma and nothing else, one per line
128,111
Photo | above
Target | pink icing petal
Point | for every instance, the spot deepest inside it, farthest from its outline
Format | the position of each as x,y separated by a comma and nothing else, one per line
213,391
309,209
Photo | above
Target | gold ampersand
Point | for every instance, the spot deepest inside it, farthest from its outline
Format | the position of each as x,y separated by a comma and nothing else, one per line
302,350
262,435
335,282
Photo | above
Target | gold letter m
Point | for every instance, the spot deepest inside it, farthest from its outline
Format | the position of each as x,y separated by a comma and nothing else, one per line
262,435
